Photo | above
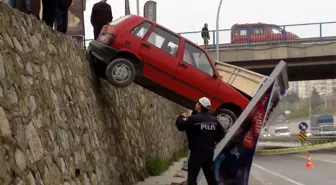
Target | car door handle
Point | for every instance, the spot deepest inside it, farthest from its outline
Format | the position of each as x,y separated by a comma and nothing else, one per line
145,45
182,65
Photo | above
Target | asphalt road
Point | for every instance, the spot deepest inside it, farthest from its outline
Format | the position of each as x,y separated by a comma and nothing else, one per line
291,169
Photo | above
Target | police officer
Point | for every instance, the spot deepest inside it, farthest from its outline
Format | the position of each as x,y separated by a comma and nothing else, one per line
203,133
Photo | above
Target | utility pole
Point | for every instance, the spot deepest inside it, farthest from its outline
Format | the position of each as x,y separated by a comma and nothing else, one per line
138,7
217,28
310,94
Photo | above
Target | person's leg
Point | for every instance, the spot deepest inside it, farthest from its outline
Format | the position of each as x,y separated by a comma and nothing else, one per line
49,12
21,5
57,23
35,7
96,31
207,168
12,3
194,167
64,21
204,42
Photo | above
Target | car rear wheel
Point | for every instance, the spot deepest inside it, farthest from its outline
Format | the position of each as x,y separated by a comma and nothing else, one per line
120,72
226,118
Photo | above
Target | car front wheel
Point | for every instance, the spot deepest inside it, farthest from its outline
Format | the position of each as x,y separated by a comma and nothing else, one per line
120,72
226,118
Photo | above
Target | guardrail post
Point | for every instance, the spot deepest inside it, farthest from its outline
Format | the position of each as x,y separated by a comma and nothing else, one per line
214,39
321,32
249,37
284,35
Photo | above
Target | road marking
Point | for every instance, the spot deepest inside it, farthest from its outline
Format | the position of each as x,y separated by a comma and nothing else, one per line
278,175
260,179
323,160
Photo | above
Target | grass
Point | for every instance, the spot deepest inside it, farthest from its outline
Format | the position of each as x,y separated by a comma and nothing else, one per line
157,165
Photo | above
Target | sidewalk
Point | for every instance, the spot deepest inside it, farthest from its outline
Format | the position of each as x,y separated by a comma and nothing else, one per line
176,176
170,177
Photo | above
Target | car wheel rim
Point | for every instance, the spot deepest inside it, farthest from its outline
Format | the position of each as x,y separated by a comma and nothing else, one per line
121,73
225,120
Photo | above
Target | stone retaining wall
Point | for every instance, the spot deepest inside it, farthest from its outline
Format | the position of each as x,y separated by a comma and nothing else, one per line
61,125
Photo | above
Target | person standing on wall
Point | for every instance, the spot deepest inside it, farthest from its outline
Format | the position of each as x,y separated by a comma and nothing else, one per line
49,11
205,35
203,133
101,15
61,21
34,8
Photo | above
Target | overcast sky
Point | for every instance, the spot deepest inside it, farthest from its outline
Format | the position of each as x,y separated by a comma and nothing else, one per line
190,15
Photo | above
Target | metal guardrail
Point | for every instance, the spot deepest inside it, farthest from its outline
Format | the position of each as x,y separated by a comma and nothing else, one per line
298,149
289,42
272,34
295,139
286,35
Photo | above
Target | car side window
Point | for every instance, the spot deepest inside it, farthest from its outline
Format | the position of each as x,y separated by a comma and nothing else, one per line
243,32
258,31
142,29
164,40
197,58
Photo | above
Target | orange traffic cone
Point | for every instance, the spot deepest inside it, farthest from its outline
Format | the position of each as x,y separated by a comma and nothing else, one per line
309,162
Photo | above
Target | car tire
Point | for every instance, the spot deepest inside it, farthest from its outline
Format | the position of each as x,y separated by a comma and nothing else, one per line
122,78
226,118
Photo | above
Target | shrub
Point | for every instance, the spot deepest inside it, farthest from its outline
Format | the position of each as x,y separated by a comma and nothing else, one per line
157,165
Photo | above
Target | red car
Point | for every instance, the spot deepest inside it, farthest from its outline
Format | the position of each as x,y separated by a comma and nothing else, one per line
259,32
136,49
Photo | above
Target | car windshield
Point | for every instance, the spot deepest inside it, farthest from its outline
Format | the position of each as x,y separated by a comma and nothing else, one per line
119,20
276,30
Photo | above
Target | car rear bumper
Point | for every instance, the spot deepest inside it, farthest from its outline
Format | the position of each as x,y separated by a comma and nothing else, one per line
102,52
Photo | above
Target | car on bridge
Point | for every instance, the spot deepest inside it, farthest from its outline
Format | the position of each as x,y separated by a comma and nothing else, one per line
258,33
282,131
136,49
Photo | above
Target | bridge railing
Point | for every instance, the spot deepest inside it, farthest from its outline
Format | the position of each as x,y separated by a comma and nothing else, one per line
283,34
273,34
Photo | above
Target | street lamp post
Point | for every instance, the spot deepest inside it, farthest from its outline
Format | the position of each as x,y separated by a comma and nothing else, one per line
310,106
217,28
138,7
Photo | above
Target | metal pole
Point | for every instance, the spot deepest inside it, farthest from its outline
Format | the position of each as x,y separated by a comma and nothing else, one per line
217,34
310,94
138,7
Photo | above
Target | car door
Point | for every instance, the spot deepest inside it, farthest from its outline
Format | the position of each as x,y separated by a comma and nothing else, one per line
159,50
195,75
132,40
241,35
257,34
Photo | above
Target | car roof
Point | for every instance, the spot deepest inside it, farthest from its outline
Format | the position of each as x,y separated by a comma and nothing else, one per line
187,40
252,24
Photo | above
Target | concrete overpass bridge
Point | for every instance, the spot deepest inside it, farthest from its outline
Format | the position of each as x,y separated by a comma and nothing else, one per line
305,61
309,56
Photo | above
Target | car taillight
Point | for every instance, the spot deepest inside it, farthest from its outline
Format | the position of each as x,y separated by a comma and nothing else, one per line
106,38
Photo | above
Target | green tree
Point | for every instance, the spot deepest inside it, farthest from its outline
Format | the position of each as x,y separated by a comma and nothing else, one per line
334,91
316,99
291,97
